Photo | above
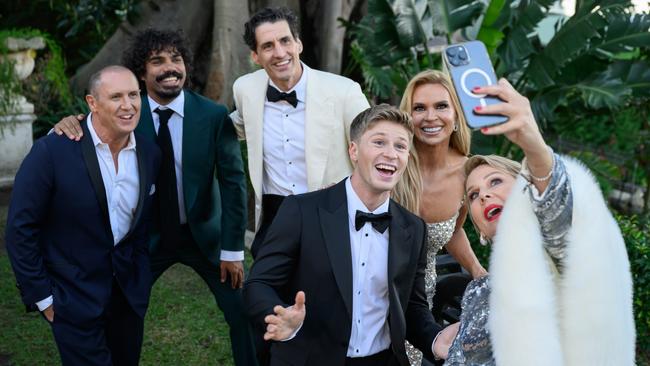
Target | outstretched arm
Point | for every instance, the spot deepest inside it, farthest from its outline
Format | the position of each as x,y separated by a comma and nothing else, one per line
459,247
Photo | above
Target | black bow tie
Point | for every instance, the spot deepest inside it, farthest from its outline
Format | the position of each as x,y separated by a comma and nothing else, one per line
379,222
274,95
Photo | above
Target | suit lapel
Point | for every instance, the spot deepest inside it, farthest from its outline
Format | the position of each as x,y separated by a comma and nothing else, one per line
335,228
145,125
319,124
400,245
253,115
92,165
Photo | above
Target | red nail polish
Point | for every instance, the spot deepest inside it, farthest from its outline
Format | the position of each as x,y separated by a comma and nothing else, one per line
478,108
476,88
484,129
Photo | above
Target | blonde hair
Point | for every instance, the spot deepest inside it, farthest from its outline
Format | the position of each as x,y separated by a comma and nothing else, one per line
379,113
408,190
497,162
461,139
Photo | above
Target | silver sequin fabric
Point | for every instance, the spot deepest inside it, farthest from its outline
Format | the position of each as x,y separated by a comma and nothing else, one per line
438,235
472,345
553,209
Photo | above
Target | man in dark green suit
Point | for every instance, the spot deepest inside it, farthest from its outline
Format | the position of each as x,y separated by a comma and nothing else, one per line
201,213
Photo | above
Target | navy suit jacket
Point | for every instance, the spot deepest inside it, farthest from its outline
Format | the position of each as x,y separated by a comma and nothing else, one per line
58,233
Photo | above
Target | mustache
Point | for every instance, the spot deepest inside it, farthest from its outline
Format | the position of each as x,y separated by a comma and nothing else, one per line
168,74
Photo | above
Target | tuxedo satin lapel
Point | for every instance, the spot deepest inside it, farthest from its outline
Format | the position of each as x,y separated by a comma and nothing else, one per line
400,245
145,125
319,124
92,165
253,115
194,148
334,225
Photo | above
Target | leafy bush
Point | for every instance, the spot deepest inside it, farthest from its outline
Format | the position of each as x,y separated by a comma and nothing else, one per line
635,231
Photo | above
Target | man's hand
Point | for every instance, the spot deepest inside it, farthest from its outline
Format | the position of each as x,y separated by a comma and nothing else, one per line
70,127
286,321
444,340
49,313
236,271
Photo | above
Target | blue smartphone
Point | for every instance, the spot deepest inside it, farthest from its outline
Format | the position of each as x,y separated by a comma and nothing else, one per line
469,66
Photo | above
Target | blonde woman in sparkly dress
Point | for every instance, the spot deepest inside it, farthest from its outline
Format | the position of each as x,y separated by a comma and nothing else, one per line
432,185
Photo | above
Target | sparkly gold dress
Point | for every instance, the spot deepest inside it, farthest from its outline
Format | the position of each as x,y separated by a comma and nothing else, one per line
438,235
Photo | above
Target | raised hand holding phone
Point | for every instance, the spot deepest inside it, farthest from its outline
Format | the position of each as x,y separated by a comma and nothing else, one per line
468,65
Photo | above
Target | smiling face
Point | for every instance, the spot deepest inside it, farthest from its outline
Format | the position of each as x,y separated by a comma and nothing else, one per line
164,75
115,104
278,52
433,114
487,189
380,155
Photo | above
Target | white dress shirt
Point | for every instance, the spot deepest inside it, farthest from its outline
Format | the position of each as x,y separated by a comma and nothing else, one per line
370,332
285,171
175,125
122,188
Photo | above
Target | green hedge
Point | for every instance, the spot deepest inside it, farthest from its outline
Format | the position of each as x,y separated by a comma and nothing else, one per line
635,231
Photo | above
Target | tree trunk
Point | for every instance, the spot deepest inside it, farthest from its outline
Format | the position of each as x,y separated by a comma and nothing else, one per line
194,17
230,55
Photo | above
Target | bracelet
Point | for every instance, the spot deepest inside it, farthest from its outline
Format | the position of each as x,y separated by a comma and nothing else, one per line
527,171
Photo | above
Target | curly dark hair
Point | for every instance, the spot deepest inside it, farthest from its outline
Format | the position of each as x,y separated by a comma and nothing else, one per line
269,15
151,41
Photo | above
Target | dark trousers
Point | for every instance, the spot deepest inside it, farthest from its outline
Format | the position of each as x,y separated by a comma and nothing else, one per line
114,339
185,250
270,206
383,358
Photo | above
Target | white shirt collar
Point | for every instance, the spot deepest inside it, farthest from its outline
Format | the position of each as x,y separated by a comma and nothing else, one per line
177,105
97,141
301,85
355,203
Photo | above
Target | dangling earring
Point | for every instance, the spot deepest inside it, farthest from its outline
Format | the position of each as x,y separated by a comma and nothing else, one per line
482,240
455,126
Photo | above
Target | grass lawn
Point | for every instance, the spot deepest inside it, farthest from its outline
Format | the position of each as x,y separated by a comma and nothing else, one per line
183,325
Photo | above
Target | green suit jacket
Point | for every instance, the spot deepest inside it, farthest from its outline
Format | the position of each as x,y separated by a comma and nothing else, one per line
214,186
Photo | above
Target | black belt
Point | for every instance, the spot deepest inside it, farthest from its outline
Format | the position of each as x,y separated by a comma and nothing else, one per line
382,358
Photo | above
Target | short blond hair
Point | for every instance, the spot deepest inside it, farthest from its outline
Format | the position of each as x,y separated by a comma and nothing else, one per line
379,113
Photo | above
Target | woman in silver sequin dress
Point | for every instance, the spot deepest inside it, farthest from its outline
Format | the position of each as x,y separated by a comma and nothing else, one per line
548,299
432,184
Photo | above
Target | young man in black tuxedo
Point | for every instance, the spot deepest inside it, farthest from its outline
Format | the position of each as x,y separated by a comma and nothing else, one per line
355,257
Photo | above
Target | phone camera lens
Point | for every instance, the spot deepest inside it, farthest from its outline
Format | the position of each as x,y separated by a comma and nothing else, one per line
462,54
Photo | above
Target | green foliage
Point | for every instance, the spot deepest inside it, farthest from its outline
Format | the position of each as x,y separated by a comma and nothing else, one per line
635,232
82,25
391,42
10,86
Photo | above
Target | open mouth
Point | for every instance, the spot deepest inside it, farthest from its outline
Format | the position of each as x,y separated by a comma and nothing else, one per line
431,129
386,170
282,63
170,79
126,117
492,212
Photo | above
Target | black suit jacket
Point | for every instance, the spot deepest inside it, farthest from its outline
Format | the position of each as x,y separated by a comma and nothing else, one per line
308,248
59,237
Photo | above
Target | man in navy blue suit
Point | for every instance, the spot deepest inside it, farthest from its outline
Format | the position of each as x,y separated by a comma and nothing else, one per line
91,279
